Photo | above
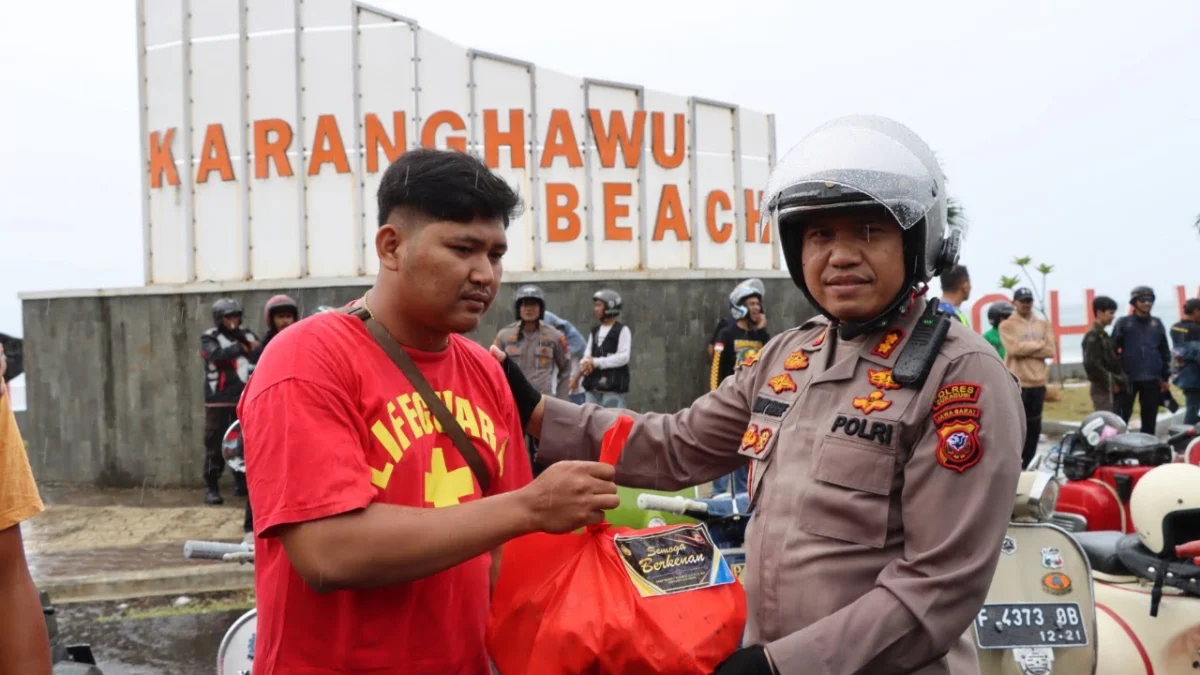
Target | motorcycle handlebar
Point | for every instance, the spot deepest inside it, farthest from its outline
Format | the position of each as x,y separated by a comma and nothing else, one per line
676,505
212,550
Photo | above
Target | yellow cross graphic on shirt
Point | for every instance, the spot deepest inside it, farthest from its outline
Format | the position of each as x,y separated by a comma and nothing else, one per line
446,488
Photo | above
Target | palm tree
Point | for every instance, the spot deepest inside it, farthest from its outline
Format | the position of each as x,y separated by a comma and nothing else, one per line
957,218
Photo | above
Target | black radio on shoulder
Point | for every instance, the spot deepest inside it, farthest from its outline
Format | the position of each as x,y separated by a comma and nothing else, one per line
914,363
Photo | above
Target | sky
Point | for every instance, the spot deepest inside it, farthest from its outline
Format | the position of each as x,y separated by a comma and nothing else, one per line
1070,131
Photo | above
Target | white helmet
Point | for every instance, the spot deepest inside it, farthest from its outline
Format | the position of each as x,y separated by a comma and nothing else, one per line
751,288
1165,507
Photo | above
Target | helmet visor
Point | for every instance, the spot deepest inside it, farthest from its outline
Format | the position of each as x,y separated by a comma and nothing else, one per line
850,158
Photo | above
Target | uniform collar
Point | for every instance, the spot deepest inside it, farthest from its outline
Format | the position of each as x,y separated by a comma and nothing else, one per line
881,347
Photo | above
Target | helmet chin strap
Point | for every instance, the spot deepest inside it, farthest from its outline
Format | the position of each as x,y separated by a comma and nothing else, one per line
898,307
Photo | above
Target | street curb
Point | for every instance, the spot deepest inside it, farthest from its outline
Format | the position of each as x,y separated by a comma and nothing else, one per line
148,583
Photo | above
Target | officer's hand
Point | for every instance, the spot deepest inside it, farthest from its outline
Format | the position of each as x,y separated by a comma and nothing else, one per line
747,661
526,397
1165,386
569,495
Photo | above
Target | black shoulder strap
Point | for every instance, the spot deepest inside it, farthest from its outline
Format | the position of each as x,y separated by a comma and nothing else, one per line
450,425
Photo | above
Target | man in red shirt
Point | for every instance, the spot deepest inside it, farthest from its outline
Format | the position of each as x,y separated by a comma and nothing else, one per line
373,534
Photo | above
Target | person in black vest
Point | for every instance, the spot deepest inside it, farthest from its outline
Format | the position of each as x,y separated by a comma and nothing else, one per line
605,364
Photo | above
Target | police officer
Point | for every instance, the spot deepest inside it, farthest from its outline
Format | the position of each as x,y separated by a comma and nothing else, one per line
883,437
538,347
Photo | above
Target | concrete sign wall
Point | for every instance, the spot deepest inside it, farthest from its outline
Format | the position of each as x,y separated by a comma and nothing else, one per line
267,124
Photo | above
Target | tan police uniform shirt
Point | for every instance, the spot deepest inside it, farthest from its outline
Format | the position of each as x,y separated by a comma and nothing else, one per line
538,354
879,509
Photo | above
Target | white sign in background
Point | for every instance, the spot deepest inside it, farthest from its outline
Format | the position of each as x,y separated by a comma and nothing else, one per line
267,124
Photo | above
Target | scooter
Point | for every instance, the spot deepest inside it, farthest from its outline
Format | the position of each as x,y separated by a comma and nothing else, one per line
1185,442
1098,483
1039,617
235,656
75,659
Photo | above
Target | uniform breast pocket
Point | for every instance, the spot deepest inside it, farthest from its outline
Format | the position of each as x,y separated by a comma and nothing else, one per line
545,354
849,492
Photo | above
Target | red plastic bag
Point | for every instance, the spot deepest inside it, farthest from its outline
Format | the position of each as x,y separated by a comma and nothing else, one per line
569,604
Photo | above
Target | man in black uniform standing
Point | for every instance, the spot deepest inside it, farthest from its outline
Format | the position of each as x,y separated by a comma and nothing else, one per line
1141,342
1185,338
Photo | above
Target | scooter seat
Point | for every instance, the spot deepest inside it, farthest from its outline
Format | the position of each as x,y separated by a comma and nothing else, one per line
1181,574
1102,552
1176,429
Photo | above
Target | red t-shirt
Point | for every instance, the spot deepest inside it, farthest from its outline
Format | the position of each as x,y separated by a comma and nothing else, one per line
331,425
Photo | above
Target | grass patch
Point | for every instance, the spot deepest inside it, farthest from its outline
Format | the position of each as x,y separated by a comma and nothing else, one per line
1074,403
157,608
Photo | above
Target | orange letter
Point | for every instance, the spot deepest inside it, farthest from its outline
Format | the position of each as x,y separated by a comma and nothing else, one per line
557,210
161,159
437,119
977,309
265,149
752,216
560,140
606,142
214,155
674,220
613,210
377,137
719,234
328,147
514,138
660,142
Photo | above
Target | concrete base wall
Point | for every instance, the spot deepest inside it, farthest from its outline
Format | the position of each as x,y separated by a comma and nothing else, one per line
115,381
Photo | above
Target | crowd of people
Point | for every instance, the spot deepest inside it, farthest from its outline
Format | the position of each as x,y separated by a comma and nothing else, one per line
1135,363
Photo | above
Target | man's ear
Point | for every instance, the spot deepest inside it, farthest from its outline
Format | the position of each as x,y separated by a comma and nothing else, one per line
388,244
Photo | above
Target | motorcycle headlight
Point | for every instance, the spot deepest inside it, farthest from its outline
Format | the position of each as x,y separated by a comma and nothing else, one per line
1044,496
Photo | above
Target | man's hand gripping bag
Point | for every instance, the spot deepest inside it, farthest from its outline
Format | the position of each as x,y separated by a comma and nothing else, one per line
615,601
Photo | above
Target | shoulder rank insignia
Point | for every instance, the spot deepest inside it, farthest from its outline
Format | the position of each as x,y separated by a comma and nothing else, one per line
750,437
821,338
882,379
887,344
782,382
872,402
751,359
764,437
797,360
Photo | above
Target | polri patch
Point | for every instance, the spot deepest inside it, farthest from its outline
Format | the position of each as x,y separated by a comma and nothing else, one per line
958,445
879,432
887,344
882,379
872,402
769,407
782,382
797,360
956,392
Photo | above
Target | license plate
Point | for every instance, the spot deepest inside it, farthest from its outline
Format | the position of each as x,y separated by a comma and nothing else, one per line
1030,624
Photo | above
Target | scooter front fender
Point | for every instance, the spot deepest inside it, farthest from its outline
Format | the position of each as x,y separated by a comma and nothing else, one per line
1044,579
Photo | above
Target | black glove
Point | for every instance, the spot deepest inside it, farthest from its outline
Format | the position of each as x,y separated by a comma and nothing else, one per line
525,395
747,661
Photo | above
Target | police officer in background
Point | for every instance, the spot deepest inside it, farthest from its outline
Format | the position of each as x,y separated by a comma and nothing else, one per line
884,437
539,348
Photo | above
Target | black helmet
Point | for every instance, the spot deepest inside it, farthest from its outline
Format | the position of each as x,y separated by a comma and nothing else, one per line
999,311
864,161
612,301
225,307
530,292
1140,292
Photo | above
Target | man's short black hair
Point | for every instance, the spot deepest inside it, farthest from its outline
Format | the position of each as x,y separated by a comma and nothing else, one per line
1191,305
953,278
1103,303
445,185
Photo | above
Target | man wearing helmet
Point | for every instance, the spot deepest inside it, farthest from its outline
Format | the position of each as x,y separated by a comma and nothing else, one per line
738,343
539,348
728,320
1141,342
997,312
1185,338
883,437
229,353
1100,357
280,312
605,364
